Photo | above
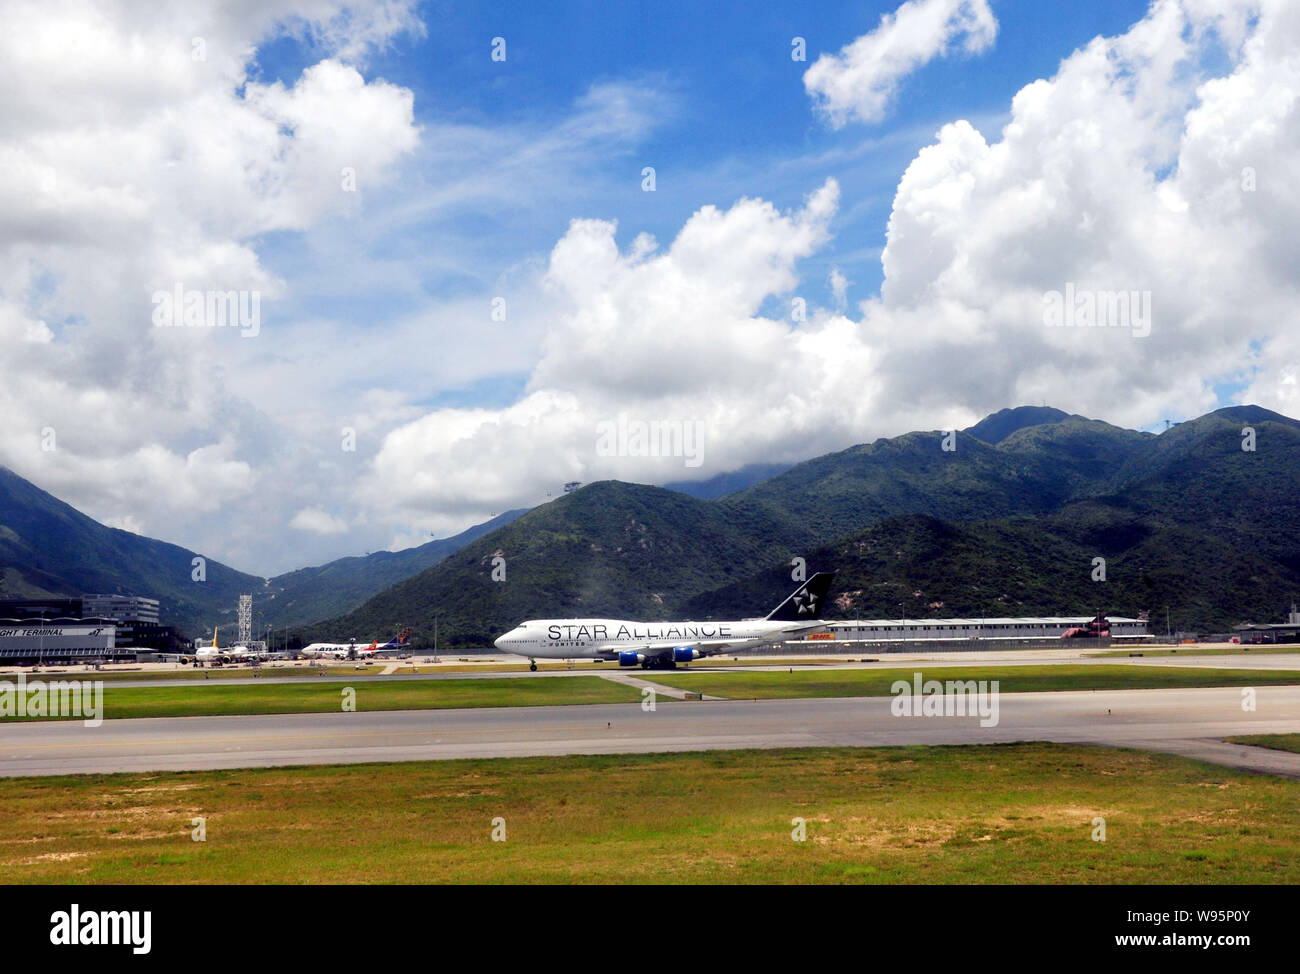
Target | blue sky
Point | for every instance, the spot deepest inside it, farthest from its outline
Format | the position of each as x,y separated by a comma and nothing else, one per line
739,114
736,122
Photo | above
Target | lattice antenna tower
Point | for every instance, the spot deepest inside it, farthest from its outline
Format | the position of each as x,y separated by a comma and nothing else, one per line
245,618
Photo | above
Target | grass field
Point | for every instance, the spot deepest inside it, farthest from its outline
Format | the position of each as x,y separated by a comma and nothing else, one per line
1010,814
1293,649
1012,679
360,670
300,671
123,701
299,698
1279,742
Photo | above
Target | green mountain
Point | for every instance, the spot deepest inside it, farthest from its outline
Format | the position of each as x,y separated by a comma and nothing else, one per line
48,548
1008,522
1198,474
922,567
1032,469
610,544
1192,523
310,594
723,484
997,427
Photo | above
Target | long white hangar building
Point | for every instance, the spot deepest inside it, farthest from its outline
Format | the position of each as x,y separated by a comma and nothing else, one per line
1035,628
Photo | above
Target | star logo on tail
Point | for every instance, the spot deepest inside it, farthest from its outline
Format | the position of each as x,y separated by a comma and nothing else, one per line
806,601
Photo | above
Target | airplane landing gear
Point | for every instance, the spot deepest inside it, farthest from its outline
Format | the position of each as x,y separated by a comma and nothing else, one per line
532,665
659,663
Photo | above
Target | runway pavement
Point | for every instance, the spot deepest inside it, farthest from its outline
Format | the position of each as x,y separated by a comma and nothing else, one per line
1188,722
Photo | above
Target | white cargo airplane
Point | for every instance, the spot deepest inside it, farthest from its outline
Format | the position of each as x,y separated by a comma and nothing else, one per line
330,650
662,645
349,650
213,655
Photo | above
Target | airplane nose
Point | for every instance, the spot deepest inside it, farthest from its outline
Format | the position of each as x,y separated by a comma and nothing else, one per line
498,641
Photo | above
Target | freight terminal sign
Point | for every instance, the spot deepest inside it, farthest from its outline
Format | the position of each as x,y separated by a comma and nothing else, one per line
19,640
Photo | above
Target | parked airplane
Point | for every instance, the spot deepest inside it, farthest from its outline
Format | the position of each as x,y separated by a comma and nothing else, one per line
231,654
350,650
662,645
328,650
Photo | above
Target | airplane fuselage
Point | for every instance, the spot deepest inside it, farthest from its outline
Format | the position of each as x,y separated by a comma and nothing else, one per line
230,654
334,650
579,638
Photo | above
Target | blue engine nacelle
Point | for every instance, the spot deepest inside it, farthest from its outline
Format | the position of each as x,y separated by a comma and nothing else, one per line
631,658
684,654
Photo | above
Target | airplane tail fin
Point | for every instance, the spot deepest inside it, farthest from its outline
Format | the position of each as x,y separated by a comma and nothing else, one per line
396,642
805,603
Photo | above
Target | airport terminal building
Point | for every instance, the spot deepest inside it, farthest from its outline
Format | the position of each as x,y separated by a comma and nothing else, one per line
92,628
124,608
38,642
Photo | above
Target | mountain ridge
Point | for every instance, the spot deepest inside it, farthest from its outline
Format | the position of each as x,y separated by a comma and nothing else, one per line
1051,496
1048,481
49,549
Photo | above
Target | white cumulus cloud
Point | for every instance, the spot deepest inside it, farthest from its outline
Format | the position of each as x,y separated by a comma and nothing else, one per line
139,155
861,81
678,336
316,521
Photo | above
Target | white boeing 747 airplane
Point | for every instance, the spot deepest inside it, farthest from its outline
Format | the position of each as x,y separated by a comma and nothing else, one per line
351,649
662,645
